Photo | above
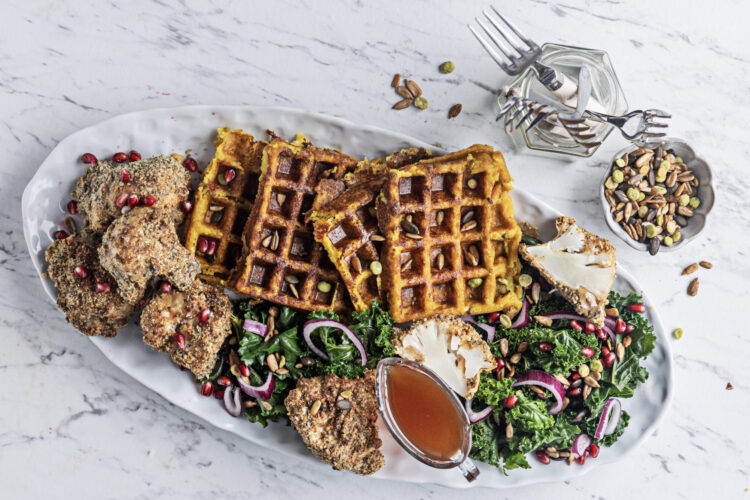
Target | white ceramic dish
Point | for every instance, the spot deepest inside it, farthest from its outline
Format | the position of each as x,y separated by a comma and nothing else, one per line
695,225
176,130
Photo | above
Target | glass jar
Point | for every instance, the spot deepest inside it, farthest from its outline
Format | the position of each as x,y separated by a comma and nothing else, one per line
605,88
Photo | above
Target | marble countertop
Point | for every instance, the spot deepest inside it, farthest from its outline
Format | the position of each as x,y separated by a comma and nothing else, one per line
74,426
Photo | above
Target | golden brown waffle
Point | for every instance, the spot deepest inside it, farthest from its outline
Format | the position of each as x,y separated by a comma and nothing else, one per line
346,227
281,260
451,240
377,167
220,209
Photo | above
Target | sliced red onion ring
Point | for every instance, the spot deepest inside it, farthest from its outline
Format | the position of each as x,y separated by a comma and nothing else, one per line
233,401
564,315
314,324
484,326
522,319
262,392
609,332
546,381
610,321
255,327
475,417
609,419
581,443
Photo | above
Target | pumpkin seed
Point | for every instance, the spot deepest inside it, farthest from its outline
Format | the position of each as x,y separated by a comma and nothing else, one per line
291,278
447,67
409,226
505,320
376,237
324,286
467,216
474,282
376,267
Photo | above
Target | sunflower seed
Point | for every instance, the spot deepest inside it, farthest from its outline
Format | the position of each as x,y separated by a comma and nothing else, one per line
315,407
294,290
344,404
472,183
536,290
291,279
515,358
396,80
504,346
706,264
275,241
267,406
693,288
356,263
273,365
404,92
522,346
469,226
509,430
543,320
249,404
407,265
376,237
266,241
69,224
413,87
586,392
620,352
467,216
280,198
561,378
454,111
690,269
402,104
627,340
536,390
409,226
282,371
413,236
440,261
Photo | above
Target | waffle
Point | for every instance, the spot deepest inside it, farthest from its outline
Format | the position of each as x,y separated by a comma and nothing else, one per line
281,260
220,209
435,271
369,169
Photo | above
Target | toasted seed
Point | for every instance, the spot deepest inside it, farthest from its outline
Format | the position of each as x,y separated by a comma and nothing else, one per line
413,236
472,183
564,454
69,224
356,263
404,92
561,378
687,212
501,374
536,389
282,371
612,311
377,237
620,351
706,264
402,104
587,391
522,346
474,254
315,408
407,265
280,198
454,111
396,80
511,371
249,404
470,258
589,381
551,449
273,365
294,290
270,324
275,239
291,278
469,226
690,269
515,358
413,87
596,375
729,386
627,340
536,291
298,366
440,217
504,346
344,404
440,261
266,405
509,430
571,459
469,215
693,288
409,226
543,320
266,241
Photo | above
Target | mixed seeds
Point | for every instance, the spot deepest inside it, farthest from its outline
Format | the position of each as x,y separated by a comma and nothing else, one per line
652,194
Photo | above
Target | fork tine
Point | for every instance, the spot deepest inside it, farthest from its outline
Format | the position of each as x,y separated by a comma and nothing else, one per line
654,134
508,53
488,48
656,112
503,33
520,35
541,115
650,124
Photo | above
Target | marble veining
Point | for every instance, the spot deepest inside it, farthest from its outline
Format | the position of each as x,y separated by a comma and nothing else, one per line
74,426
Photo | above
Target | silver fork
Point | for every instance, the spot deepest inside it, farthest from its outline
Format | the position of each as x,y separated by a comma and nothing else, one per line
644,129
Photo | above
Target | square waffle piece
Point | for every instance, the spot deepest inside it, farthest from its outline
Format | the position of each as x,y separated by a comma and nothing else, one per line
451,242
222,204
281,260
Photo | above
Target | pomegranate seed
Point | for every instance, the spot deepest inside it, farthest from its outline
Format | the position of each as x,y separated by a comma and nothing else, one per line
510,401
165,287
225,381
186,206
588,352
582,459
125,175
637,307
119,157
575,325
72,207
605,351
542,456
179,340
619,326
89,159
211,247
102,287
500,364
593,450
60,235
601,334
590,328
134,156
229,175
148,201
207,388
629,328
204,315
81,272
244,370
574,392
219,393
144,301
202,244
545,347
575,376
609,360
190,164
122,200
493,317
133,200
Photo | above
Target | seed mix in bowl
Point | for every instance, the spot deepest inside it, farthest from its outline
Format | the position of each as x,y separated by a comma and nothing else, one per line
652,194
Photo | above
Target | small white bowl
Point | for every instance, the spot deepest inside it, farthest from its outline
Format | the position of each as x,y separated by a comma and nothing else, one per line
696,223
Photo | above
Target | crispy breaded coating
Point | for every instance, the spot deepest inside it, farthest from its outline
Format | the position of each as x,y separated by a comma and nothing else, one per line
141,245
90,312
179,312
162,177
341,430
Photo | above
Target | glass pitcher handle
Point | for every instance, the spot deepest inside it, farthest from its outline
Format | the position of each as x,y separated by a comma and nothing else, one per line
469,470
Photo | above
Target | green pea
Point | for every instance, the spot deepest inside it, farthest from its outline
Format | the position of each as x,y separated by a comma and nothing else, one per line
684,200
474,282
668,241
677,333
620,162
695,202
421,102
618,176
632,194
447,67
376,267
642,211
324,286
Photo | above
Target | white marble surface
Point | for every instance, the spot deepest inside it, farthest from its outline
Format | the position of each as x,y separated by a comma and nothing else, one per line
73,426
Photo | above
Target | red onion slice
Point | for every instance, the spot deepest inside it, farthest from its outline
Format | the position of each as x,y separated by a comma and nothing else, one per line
314,324
475,417
262,392
255,327
609,332
484,326
610,321
564,315
522,319
581,443
546,381
233,401
609,419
